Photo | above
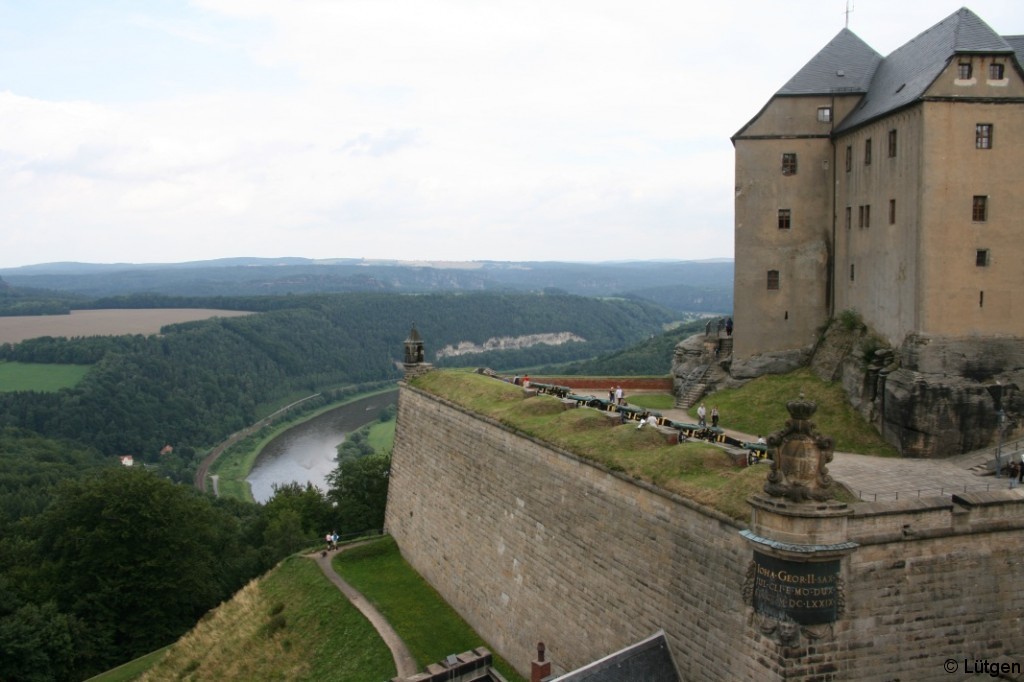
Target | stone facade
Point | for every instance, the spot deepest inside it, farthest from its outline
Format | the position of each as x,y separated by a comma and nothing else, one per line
530,543
878,185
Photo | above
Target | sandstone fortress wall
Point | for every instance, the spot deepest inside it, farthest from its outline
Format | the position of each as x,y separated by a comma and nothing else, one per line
530,543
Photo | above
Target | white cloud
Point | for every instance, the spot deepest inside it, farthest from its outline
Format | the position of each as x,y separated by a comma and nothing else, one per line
444,129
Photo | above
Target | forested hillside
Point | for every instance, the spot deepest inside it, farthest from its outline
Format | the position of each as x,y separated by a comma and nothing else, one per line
100,563
199,381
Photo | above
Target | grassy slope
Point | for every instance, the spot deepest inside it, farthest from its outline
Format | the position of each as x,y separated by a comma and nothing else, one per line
292,624
429,626
23,376
759,407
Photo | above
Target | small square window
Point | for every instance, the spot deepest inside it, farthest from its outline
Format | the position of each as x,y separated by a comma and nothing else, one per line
892,144
789,164
849,157
867,152
892,211
784,219
979,209
995,72
983,136
773,280
824,114
981,258
964,71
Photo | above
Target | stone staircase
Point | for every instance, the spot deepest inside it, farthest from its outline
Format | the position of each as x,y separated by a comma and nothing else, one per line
696,384
693,388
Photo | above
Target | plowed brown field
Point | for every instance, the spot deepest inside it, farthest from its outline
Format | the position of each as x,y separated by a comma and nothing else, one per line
102,322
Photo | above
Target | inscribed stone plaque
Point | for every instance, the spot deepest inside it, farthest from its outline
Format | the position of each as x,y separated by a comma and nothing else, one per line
805,592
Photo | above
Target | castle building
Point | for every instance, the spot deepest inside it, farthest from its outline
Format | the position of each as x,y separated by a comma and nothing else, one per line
886,185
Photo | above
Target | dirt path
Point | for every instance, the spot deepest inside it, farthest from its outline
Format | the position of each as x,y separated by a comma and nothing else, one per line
405,664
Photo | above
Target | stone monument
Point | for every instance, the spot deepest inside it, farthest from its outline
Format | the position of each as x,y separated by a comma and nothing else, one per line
798,533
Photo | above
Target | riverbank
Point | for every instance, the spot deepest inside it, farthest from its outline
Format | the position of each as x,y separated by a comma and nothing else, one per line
236,461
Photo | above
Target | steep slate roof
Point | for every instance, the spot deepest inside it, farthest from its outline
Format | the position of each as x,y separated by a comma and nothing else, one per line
1017,43
907,73
846,54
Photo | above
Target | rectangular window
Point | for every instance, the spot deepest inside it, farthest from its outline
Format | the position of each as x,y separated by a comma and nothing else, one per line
979,209
892,144
773,279
860,216
867,152
867,215
789,164
983,136
849,157
995,72
849,218
824,114
981,259
784,219
892,211
963,71
851,272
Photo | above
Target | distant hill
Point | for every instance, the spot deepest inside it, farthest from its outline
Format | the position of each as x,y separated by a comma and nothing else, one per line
686,286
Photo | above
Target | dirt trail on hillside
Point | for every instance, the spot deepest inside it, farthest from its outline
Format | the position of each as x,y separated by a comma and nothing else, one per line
405,664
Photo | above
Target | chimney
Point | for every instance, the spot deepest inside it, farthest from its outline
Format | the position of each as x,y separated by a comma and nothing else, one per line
540,669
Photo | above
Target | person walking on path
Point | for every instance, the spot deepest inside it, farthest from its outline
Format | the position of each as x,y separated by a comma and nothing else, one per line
702,414
714,416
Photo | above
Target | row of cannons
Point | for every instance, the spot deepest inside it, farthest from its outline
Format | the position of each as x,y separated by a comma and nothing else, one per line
628,413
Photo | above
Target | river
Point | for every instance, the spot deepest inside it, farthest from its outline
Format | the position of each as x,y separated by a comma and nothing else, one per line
306,452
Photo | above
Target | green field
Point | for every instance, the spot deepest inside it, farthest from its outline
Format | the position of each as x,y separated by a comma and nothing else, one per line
25,376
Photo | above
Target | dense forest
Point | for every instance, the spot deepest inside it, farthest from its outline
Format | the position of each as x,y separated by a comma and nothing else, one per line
100,563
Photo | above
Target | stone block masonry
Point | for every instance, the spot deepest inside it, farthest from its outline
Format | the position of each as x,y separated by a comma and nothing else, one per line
530,543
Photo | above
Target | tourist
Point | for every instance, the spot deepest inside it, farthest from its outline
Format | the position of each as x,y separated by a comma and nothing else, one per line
714,416
618,395
728,327
611,394
702,414
526,381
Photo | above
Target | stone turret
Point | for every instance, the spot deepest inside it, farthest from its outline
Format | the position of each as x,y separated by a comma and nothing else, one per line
413,363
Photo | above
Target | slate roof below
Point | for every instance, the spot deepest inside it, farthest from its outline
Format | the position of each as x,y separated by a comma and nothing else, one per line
649,660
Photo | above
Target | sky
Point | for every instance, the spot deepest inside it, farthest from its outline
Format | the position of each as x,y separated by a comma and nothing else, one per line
163,131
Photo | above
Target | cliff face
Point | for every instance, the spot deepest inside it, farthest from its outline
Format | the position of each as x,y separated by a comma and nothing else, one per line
946,395
933,396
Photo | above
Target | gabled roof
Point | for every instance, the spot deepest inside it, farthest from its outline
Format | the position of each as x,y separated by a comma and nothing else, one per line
845,64
1017,43
909,71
